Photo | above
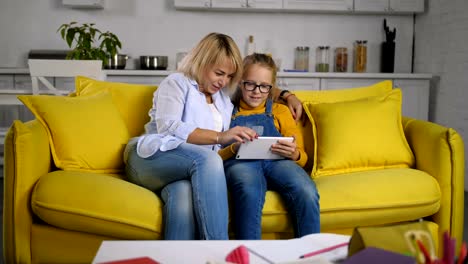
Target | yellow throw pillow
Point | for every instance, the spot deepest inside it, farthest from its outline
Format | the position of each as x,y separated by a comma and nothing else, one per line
359,135
85,133
133,100
348,94
330,96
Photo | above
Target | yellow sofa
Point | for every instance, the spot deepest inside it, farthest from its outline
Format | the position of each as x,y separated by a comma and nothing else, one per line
54,215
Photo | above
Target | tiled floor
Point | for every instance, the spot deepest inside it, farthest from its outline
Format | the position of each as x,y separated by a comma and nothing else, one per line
465,229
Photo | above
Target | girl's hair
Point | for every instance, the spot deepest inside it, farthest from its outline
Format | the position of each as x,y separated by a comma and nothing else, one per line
260,59
213,49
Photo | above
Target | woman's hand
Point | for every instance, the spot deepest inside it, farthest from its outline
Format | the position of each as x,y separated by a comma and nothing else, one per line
287,149
237,134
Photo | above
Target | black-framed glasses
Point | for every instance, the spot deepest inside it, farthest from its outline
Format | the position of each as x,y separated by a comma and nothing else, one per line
251,86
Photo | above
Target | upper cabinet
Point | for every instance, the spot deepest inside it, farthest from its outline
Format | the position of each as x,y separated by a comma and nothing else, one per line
244,5
389,6
192,3
347,6
319,5
247,4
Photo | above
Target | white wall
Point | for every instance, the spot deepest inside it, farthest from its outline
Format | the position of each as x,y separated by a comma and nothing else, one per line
441,48
154,27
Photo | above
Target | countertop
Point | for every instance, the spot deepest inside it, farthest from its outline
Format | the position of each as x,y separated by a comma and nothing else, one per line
349,75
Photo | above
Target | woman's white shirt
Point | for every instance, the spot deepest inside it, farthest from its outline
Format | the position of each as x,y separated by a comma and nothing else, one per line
178,109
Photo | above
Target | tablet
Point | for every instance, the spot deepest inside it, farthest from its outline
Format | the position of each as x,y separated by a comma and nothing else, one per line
260,148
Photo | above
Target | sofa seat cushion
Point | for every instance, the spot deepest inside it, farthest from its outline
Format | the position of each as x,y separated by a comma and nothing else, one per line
102,204
364,198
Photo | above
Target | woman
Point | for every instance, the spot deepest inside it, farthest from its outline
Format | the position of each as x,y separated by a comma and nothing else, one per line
177,155
248,180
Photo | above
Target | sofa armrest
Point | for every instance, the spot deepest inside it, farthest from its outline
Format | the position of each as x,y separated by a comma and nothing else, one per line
27,157
439,151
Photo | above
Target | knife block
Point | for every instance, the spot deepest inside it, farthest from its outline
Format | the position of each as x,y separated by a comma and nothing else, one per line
387,61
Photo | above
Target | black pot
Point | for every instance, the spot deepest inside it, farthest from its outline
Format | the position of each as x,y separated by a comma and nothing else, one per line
153,62
117,61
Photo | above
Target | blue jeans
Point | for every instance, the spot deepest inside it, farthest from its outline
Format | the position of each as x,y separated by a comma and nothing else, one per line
248,182
193,186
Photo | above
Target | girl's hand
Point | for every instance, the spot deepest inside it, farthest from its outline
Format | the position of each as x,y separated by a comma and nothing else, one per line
286,149
237,134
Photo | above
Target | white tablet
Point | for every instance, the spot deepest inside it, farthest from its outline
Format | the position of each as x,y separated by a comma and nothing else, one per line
260,148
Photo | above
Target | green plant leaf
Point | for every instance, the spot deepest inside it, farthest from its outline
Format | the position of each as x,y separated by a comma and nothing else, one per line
70,36
88,42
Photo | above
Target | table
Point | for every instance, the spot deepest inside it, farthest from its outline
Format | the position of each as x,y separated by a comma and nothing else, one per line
211,251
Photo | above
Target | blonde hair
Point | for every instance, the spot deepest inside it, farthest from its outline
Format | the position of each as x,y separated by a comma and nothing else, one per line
263,60
213,49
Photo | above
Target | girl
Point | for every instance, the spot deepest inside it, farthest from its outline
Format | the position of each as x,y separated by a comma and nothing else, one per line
248,180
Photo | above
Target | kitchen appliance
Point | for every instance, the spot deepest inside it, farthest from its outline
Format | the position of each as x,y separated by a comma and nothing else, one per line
118,61
43,54
153,62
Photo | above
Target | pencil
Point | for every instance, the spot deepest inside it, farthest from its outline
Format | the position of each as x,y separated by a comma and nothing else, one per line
324,250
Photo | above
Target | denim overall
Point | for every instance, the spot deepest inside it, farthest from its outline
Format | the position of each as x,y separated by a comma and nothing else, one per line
263,123
248,181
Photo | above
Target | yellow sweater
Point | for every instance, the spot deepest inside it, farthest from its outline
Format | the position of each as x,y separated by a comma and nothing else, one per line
284,122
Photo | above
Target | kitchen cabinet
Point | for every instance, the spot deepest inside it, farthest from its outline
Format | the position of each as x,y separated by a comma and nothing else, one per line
244,5
296,83
389,6
415,101
192,3
319,5
415,93
247,4
6,81
331,6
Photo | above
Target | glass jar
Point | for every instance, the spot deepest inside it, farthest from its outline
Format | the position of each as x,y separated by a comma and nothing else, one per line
341,59
360,56
323,59
301,59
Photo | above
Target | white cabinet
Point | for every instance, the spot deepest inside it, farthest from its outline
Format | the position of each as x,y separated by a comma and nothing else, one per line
245,5
265,4
341,83
192,3
359,6
294,83
415,94
6,82
413,6
148,80
319,5
392,6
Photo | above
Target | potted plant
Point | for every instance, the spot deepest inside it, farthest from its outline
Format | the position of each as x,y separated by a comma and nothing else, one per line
89,43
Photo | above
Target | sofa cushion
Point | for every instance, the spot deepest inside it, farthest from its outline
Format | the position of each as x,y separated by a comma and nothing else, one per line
101,204
85,133
133,100
363,199
331,96
365,134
